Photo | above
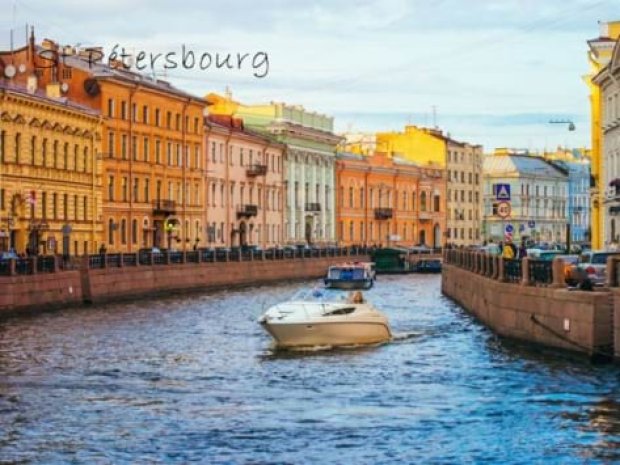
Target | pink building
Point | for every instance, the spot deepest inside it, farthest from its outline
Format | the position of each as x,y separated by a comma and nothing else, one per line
244,185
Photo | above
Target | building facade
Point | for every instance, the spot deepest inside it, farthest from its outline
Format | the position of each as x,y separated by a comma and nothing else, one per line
387,201
244,185
308,164
600,52
538,198
50,175
463,165
152,148
464,194
607,81
577,163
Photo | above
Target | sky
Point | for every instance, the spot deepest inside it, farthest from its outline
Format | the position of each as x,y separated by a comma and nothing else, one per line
487,72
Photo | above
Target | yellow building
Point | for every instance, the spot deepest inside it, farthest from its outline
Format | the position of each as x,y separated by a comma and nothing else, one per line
425,146
50,176
599,54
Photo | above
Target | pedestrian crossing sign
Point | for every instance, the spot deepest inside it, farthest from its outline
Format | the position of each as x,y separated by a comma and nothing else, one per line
502,191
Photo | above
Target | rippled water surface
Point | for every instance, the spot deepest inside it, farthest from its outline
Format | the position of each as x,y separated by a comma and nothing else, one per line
193,379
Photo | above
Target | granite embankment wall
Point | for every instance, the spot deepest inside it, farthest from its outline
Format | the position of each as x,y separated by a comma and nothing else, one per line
520,302
86,284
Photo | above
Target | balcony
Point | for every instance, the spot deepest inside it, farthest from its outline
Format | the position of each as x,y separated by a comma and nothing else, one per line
425,216
164,207
313,207
256,170
383,213
247,211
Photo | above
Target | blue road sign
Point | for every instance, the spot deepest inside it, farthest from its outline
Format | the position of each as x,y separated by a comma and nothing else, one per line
509,228
521,227
502,191
531,224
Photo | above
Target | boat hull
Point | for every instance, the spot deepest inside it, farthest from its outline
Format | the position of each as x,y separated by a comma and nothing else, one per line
348,284
334,334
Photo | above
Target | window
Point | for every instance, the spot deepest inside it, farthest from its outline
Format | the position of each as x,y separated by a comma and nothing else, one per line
111,108
169,154
196,125
123,110
134,113
18,143
350,197
147,190
111,188
124,189
168,120
436,203
423,201
134,148
145,149
158,151
33,149
43,203
55,154
65,156
134,231
136,188
111,231
43,152
124,146
145,114
157,117
111,145
55,205
178,122
85,164
213,152
65,206
123,231
85,208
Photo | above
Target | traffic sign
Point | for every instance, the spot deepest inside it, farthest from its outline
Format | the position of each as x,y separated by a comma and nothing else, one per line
502,191
503,209
509,228
531,224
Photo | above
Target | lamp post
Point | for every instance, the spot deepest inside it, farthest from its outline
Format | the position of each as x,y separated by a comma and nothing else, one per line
169,229
571,127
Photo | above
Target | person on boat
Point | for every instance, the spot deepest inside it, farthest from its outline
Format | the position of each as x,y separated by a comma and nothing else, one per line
356,297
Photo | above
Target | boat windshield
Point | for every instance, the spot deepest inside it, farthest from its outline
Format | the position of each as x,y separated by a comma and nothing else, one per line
319,294
346,273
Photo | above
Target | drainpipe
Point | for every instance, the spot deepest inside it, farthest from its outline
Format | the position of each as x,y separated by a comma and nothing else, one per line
131,156
184,156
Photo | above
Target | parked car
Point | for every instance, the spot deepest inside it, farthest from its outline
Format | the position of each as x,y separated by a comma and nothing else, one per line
8,255
547,255
592,268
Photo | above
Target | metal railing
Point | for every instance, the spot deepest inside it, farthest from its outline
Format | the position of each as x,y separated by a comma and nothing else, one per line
46,264
512,270
541,272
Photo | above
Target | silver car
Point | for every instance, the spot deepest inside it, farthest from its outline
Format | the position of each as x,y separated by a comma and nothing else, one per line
592,268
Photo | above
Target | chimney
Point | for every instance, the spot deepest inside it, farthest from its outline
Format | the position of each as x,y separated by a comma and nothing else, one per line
31,84
53,90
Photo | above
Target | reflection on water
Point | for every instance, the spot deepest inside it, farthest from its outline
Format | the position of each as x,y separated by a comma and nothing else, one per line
197,379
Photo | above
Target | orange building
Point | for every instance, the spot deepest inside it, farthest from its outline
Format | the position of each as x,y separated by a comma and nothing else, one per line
384,200
244,185
152,144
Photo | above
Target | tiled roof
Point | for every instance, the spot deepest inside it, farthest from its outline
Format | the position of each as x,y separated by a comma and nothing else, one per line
42,96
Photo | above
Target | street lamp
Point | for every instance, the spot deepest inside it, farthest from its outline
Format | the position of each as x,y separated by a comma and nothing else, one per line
571,127
169,229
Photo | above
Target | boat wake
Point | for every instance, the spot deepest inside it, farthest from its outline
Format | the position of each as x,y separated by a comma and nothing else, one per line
404,337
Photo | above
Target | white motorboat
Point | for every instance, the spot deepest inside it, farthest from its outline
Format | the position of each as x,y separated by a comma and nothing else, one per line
351,275
319,318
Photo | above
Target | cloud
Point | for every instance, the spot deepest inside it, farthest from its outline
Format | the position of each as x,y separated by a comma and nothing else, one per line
369,57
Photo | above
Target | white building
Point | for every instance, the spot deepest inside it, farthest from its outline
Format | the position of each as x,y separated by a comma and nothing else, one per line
538,198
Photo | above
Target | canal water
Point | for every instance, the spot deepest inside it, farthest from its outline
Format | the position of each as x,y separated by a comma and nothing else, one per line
193,378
